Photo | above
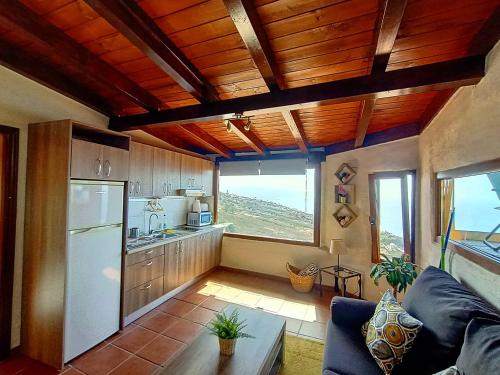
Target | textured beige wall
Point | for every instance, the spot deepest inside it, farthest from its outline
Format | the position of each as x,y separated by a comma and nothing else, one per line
23,101
466,131
270,257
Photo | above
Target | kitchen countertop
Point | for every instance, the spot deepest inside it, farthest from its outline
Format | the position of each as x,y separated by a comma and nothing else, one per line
184,234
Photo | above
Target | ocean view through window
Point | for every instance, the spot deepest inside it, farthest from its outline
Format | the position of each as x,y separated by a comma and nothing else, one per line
275,201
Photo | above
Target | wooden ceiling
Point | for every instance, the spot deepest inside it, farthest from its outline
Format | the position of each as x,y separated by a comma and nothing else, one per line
162,65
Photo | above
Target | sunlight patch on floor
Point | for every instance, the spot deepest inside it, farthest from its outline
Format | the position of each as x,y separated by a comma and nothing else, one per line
278,306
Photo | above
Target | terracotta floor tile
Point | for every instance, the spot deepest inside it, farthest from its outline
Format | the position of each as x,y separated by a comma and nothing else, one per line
135,366
176,307
161,349
215,304
317,314
200,315
293,325
135,339
313,329
194,298
72,371
19,364
184,331
101,361
145,317
210,288
159,322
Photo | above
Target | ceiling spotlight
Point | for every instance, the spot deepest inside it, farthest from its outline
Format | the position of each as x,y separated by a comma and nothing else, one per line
229,126
248,124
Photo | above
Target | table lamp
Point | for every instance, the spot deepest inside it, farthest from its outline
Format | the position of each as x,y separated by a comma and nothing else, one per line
337,247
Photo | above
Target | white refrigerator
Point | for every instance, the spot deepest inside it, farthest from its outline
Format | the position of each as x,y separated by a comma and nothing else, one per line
94,260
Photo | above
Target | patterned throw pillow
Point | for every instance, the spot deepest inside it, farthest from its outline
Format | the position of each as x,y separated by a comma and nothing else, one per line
310,270
390,333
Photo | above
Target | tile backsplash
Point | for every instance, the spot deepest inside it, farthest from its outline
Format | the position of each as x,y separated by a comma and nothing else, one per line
173,214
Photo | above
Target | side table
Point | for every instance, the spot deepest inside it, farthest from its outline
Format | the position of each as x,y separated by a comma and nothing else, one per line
342,273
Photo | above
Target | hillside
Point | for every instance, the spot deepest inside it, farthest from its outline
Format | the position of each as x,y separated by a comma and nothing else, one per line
264,218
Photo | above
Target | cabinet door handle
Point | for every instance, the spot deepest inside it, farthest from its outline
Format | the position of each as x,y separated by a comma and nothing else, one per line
148,264
148,252
147,287
138,187
169,188
164,188
108,171
98,166
132,187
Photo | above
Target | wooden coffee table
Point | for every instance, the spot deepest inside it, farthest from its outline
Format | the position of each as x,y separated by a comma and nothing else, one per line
262,355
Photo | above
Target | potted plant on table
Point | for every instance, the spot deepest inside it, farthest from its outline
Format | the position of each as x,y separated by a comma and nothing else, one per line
228,329
398,271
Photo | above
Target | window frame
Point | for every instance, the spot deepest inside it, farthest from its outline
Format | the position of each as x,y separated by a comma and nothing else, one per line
473,254
316,213
408,230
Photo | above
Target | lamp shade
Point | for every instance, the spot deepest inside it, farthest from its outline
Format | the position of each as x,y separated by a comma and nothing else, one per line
337,247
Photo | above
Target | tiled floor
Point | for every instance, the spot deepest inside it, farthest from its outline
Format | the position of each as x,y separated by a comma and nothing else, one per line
153,340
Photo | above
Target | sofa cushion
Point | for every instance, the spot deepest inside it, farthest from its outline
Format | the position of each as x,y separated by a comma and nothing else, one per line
346,352
445,307
390,333
480,352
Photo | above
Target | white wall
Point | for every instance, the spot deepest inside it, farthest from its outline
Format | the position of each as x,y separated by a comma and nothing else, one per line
271,257
466,131
23,101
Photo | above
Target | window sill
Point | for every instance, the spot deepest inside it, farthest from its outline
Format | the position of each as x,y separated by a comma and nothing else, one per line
271,239
479,257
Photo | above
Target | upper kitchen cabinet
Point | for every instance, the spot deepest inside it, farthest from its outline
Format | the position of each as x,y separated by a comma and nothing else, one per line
191,172
93,161
174,172
141,170
160,172
207,177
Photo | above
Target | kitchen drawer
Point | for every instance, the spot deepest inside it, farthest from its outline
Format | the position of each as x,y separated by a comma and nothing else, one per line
141,256
143,272
142,295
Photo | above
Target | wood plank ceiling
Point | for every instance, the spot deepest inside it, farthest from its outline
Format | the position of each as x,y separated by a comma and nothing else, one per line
130,57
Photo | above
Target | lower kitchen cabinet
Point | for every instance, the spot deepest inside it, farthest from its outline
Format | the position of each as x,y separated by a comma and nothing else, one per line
142,295
168,267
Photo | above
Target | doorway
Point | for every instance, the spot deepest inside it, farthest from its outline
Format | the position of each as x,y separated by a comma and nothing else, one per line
9,152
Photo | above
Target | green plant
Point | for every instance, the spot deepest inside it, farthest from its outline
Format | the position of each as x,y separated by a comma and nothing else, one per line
398,271
228,327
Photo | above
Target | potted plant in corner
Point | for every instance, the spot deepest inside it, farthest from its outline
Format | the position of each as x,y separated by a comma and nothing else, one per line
228,329
398,271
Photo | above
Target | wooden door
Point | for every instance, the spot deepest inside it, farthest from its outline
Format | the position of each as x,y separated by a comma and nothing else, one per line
160,172
171,268
86,160
115,163
173,173
141,170
207,177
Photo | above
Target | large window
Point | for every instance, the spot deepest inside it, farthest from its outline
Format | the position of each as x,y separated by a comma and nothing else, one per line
475,199
392,214
272,199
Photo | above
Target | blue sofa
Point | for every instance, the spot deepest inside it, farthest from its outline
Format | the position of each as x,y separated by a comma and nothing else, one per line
443,305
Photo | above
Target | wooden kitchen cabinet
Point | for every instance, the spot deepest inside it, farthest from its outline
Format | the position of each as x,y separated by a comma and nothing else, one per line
143,272
191,172
94,161
207,177
173,173
141,170
142,295
160,172
141,256
171,268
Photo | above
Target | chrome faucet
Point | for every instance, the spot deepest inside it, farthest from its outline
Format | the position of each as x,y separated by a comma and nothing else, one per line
150,216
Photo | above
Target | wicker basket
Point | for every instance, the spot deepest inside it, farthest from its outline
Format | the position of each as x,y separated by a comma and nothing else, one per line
227,346
302,284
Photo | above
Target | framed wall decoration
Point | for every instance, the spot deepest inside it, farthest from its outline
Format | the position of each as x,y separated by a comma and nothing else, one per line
345,194
344,216
345,173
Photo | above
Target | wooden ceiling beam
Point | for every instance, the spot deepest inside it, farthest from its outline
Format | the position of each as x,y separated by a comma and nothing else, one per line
387,32
133,22
207,140
364,120
388,27
294,124
252,32
487,36
173,140
24,64
438,76
19,15
237,128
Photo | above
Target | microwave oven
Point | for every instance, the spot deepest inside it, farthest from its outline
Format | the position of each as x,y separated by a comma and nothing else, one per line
199,219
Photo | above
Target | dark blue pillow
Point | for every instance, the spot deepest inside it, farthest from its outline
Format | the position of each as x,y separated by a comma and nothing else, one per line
445,307
480,352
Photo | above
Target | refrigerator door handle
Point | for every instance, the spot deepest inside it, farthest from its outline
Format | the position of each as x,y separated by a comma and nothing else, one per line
94,229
